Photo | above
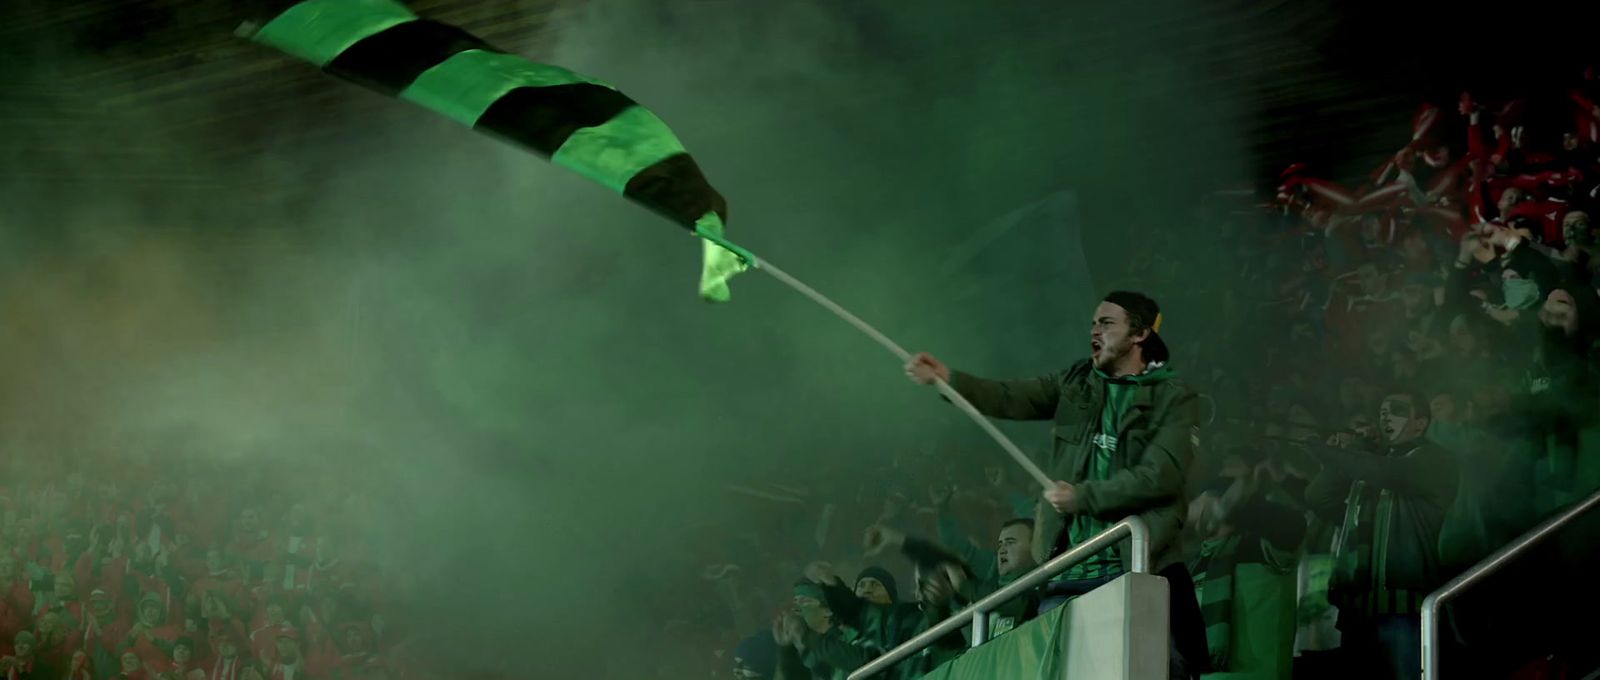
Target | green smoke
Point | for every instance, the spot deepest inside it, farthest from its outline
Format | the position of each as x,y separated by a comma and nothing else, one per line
506,352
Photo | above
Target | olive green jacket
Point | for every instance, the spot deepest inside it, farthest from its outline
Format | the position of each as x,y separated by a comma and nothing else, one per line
1155,446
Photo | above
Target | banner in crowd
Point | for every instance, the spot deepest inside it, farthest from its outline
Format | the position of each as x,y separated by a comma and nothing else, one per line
1030,652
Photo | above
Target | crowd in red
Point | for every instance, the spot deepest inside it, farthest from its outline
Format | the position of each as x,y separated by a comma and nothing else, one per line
180,568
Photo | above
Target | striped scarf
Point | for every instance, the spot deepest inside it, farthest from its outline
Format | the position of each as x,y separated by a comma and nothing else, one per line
1213,577
225,669
1360,583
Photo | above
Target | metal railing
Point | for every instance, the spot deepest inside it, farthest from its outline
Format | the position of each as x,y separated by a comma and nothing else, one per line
1482,570
1131,528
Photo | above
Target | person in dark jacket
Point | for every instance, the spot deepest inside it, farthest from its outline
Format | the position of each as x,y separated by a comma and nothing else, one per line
862,630
1011,556
877,585
1389,505
1124,438
977,573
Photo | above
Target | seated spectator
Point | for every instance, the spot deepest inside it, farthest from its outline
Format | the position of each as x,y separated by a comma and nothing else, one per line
788,635
55,642
64,598
263,640
860,630
288,664
877,586
130,668
938,584
354,651
181,659
151,637
218,578
1012,558
226,663
104,631
318,626
22,662
216,613
1013,553
810,607
869,619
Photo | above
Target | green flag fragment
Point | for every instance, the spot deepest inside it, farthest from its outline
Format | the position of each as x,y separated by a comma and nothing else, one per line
579,123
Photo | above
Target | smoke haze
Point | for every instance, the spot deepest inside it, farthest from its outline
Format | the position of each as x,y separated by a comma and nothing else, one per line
511,361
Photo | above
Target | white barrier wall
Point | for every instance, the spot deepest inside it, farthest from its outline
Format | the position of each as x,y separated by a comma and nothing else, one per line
1117,632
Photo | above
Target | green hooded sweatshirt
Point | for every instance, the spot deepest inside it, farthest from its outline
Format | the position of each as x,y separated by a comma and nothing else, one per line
1119,393
1125,444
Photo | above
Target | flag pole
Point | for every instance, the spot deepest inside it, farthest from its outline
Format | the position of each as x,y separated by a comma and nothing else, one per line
888,344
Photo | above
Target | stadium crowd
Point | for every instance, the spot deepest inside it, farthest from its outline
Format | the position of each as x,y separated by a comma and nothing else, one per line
144,567
1397,378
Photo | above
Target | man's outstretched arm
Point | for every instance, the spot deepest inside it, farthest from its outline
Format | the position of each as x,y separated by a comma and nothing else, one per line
1028,399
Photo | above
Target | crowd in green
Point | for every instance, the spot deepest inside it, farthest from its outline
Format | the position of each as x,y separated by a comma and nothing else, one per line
1397,378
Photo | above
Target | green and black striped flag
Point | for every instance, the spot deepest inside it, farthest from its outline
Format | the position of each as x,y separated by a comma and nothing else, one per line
576,121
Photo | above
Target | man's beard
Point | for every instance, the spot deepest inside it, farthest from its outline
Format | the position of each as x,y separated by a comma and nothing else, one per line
1109,355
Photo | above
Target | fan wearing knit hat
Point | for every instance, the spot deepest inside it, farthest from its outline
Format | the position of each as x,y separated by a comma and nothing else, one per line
877,585
1124,435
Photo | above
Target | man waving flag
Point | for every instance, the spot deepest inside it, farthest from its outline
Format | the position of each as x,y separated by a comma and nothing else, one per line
576,121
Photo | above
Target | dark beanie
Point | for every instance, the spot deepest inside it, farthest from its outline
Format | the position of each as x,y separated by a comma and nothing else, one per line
883,577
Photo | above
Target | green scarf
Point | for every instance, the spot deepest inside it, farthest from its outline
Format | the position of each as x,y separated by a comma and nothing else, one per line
1119,396
1213,577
